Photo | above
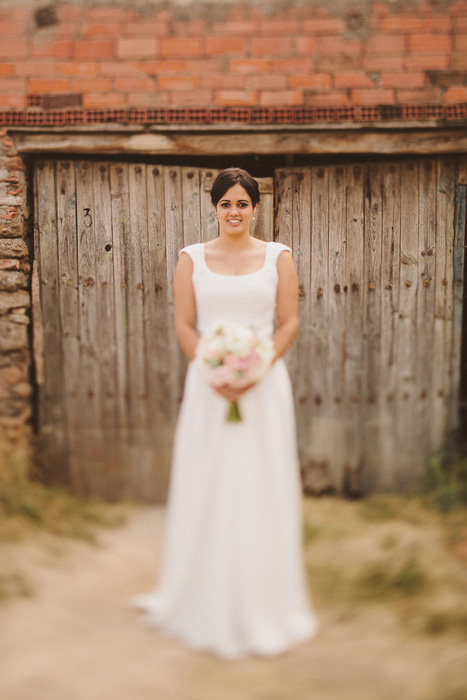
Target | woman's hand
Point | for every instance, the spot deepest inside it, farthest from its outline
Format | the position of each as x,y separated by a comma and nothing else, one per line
232,393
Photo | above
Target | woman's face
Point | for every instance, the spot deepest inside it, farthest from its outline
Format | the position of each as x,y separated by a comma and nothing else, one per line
235,211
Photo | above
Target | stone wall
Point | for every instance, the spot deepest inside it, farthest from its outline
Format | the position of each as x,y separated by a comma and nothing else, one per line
15,355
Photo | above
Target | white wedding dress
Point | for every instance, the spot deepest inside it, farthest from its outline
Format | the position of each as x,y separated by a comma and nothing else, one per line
232,579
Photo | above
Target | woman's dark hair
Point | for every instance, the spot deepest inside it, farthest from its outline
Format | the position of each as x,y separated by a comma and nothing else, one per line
232,176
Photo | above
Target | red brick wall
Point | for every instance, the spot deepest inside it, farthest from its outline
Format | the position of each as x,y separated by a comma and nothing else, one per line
114,57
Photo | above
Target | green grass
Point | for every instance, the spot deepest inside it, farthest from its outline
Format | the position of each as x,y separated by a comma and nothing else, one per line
32,503
445,484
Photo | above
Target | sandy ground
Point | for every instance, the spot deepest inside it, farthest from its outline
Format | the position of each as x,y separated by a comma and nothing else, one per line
75,638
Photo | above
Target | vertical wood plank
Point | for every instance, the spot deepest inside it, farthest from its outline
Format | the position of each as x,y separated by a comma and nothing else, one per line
338,291
52,455
387,476
120,223
263,225
427,248
319,340
457,307
157,340
191,205
174,243
135,254
69,307
407,356
445,187
209,226
351,481
371,293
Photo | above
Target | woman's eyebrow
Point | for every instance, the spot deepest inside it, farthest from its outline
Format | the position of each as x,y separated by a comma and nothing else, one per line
238,200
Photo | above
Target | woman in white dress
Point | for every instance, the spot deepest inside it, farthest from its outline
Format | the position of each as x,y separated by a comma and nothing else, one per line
232,578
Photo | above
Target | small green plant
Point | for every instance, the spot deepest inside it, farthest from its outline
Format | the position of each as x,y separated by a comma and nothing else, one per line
378,581
380,507
445,483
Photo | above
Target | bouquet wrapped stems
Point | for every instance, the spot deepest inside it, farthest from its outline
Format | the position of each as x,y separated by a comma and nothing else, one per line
233,414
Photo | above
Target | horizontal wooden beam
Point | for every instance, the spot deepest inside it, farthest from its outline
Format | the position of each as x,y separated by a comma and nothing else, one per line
240,141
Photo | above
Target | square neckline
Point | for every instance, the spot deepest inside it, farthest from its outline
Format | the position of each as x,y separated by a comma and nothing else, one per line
246,274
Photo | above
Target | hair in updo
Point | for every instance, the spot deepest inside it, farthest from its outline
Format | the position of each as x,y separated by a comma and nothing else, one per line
232,176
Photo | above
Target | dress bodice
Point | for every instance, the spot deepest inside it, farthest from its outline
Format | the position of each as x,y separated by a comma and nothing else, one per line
248,299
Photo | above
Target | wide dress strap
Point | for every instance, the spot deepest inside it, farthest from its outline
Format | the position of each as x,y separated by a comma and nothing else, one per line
196,253
274,249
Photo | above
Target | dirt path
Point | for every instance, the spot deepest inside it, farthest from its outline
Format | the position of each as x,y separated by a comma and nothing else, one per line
74,638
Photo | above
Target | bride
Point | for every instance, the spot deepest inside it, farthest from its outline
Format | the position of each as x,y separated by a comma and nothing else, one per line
232,579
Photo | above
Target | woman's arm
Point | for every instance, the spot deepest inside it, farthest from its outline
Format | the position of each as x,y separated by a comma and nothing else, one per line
185,306
287,304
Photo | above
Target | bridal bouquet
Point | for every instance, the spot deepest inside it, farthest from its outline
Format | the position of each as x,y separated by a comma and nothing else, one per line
232,354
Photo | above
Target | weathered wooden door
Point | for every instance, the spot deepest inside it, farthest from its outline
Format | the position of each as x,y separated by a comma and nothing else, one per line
375,367
108,367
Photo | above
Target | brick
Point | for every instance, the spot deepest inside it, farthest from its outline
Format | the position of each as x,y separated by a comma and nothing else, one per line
333,64
456,94
10,29
432,96
120,68
427,62
373,97
147,99
224,82
306,45
154,29
218,45
329,99
234,98
386,45
460,42
195,98
431,43
278,26
137,48
413,25
281,98
7,69
181,47
9,264
103,100
109,14
36,69
196,27
236,28
201,66
89,50
336,46
382,63
91,84
459,60
134,84
13,85
250,66
403,80
38,86
272,46
14,48
332,26
292,65
353,80
178,82
460,25
102,29
77,69
52,49
315,80
13,101
267,82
